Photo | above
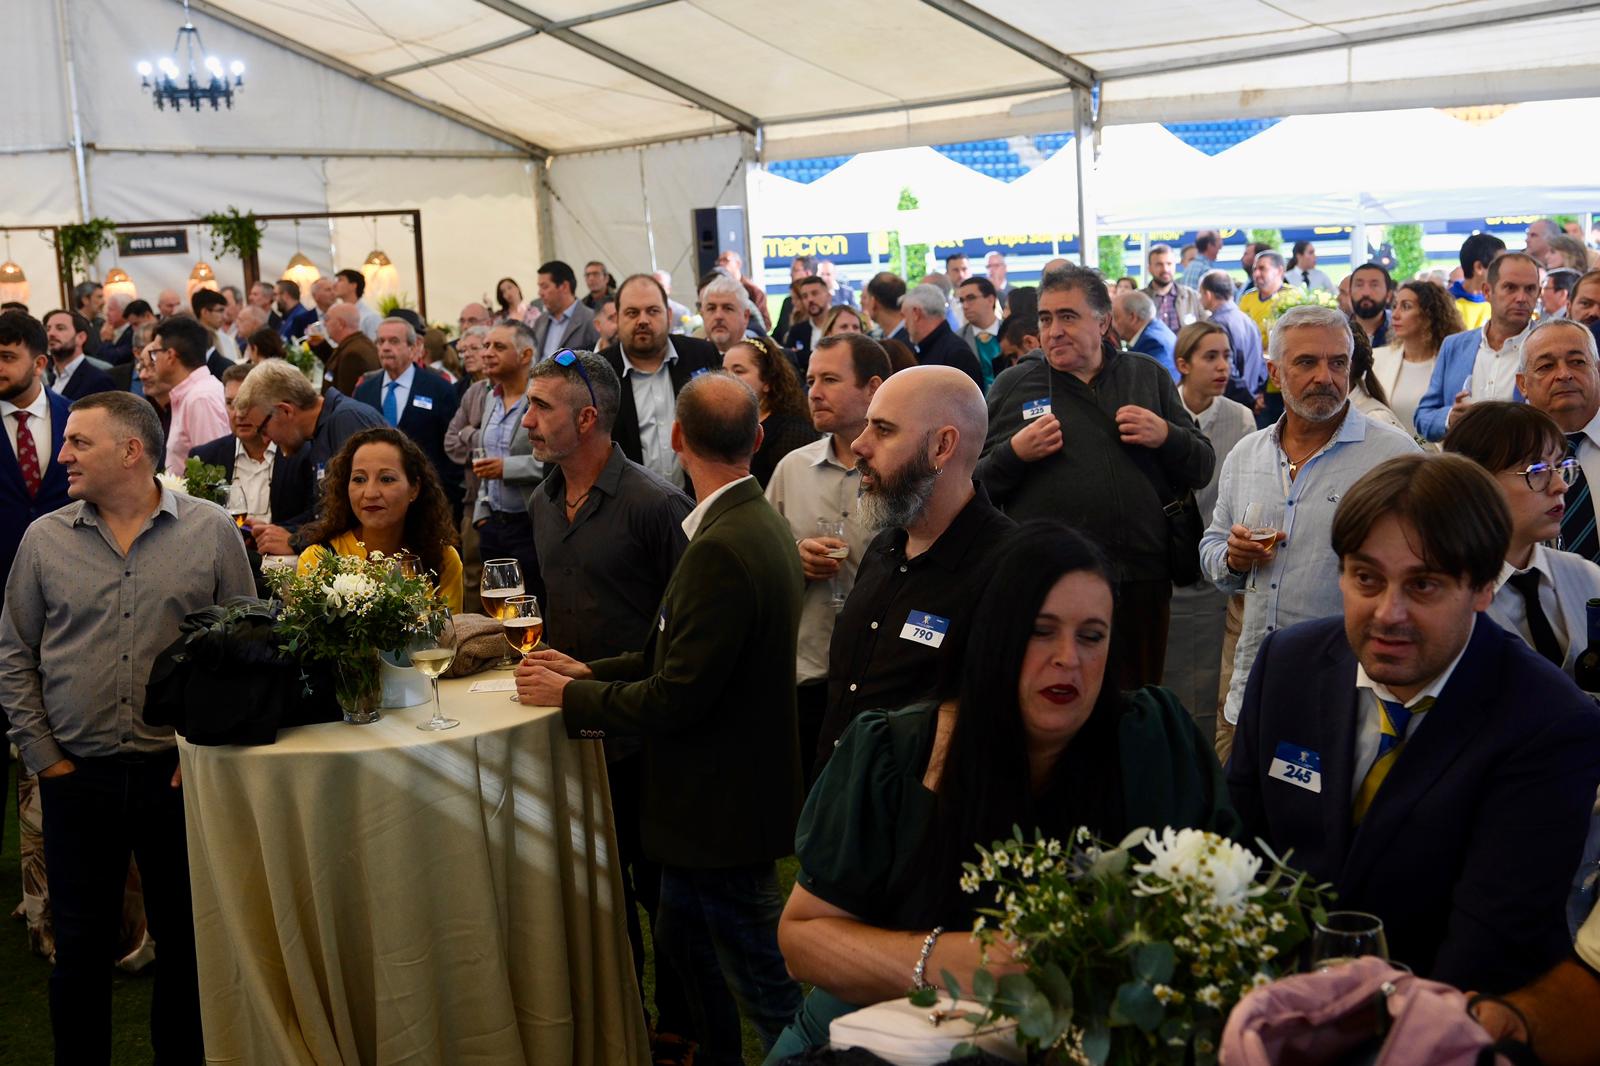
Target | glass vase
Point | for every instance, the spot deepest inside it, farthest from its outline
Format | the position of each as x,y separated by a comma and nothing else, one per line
358,686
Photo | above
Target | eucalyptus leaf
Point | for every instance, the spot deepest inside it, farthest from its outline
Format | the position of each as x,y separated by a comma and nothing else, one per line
1053,983
983,987
1097,1043
1154,962
963,1049
950,983
1138,1005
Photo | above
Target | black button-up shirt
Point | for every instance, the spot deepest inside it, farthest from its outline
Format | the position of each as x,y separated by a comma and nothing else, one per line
880,656
605,571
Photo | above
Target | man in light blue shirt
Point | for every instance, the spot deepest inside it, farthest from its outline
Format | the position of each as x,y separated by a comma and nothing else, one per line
1295,471
1207,246
655,401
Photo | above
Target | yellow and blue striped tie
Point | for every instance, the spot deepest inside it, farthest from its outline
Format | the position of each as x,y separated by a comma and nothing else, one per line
1393,720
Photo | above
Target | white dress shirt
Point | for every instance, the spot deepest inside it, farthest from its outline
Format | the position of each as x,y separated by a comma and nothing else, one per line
1589,450
1494,373
1369,692
38,425
691,521
402,391
64,375
1511,610
656,404
254,478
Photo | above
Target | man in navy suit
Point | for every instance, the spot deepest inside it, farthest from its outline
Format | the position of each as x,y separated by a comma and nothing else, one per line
293,317
1432,766
32,483
413,399
1134,315
72,375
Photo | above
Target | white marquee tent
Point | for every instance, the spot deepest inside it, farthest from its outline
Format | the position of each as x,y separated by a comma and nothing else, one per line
527,128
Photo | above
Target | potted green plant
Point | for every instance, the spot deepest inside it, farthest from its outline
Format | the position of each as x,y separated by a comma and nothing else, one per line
81,243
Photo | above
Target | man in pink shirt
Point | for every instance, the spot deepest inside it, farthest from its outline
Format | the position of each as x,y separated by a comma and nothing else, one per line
199,412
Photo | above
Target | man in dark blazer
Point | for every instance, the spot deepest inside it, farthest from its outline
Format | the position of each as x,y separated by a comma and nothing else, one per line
935,343
644,350
290,483
43,417
712,694
1134,316
571,321
415,400
72,374
293,316
1433,767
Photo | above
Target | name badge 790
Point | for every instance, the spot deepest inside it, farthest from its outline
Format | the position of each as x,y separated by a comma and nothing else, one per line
923,628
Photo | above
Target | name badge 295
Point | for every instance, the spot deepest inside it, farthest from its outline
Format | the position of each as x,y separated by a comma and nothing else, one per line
927,629
1300,767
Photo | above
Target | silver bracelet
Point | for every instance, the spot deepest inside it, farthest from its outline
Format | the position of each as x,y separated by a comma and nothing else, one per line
918,978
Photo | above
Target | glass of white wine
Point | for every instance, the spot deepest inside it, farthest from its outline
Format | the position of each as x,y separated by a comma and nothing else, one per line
833,529
1261,520
432,652
1344,936
501,580
523,623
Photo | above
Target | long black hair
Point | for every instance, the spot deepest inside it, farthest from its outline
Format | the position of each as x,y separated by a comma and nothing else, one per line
985,786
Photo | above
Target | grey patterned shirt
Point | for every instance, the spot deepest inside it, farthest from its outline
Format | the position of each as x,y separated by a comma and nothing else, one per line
83,624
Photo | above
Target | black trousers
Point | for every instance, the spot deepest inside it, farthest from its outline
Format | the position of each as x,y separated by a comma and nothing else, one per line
509,535
811,703
1139,632
93,818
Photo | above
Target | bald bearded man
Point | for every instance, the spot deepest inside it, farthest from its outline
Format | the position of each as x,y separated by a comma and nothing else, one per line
937,531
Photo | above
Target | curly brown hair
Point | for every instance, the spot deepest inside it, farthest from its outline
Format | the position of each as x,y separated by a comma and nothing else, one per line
1439,307
429,529
784,395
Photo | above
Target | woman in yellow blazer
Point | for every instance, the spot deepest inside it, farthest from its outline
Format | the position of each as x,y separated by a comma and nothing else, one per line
380,494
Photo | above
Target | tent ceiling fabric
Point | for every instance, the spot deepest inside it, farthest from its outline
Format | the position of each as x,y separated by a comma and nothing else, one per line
579,75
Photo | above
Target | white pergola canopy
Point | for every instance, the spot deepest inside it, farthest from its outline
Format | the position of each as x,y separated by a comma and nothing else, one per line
834,76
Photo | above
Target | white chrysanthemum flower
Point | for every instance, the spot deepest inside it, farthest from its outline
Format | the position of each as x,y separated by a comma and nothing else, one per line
1268,952
1002,859
1163,994
1210,995
1278,923
1260,980
969,882
173,482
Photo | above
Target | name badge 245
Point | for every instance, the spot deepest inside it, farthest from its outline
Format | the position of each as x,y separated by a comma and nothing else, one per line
1300,767
923,628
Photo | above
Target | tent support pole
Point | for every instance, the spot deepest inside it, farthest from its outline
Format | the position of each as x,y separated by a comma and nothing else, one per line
1358,242
70,75
649,226
545,214
1083,145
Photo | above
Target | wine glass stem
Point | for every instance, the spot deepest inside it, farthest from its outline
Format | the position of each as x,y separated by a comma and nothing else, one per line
438,712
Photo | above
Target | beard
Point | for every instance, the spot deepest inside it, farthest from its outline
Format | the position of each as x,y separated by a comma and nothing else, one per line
898,499
1367,307
13,391
1316,405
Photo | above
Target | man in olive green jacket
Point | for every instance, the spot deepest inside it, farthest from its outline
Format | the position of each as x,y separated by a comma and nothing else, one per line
712,693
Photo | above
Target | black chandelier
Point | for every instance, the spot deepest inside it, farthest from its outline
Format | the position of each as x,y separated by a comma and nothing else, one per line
172,85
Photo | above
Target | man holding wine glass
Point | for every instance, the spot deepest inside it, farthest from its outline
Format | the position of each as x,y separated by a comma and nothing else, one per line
610,533
1429,764
1293,474
711,692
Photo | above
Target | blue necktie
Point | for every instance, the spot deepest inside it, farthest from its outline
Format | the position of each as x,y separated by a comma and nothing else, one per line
391,413
1392,723
1577,523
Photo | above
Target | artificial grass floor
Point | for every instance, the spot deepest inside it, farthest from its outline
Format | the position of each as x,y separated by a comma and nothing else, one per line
24,989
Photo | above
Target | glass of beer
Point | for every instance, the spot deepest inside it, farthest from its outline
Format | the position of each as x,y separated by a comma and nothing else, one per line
238,508
501,580
523,624
432,652
833,529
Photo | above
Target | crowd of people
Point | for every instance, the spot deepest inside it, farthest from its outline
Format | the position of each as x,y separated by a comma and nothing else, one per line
870,580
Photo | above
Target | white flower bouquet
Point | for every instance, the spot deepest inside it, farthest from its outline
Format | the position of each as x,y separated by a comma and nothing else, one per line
344,612
1134,953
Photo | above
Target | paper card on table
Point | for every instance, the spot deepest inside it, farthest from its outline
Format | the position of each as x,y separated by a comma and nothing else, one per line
499,684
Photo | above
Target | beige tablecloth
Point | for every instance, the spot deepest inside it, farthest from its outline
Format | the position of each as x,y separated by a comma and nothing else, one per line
376,894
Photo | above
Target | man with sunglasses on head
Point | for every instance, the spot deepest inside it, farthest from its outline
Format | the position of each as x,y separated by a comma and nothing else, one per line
1559,376
610,532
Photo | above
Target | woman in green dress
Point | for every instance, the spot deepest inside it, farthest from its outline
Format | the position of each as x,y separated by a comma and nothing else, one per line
1024,733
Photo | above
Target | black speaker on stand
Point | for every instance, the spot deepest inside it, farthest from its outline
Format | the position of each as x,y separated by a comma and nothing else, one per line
718,230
